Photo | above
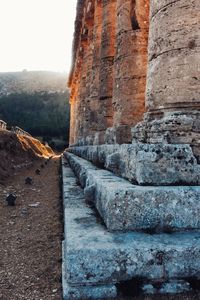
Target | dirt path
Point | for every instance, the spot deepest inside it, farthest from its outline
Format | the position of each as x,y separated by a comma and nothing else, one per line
30,235
30,238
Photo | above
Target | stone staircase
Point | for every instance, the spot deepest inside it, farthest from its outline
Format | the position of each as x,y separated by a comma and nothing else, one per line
117,231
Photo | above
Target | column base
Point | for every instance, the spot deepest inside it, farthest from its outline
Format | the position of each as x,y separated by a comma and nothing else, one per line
118,135
170,128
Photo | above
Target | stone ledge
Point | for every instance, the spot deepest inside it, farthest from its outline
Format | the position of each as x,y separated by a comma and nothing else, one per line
80,292
95,259
170,127
146,164
124,206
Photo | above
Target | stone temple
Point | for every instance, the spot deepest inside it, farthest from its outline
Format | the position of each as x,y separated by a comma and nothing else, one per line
132,201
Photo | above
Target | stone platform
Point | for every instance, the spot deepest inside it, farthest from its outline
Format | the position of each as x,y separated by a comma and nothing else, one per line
124,206
146,164
96,262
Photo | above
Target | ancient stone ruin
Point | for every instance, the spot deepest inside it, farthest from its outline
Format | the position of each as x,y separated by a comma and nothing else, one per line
135,149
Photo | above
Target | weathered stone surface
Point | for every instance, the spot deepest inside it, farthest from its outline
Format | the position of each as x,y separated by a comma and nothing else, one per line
160,164
108,80
173,128
130,66
80,292
173,55
171,287
89,292
124,206
95,256
173,88
108,76
146,164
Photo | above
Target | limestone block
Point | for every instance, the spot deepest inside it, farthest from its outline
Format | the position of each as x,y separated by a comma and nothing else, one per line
80,292
173,128
88,292
161,164
146,164
124,206
97,258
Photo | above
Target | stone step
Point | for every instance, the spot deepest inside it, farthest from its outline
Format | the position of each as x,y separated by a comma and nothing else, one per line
145,164
124,206
96,261
74,291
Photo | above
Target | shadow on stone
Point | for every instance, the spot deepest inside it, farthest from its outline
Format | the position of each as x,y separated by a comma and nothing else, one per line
130,288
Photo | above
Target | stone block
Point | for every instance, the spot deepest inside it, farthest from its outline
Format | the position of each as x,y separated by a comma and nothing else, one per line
80,292
89,292
95,260
146,164
124,206
163,164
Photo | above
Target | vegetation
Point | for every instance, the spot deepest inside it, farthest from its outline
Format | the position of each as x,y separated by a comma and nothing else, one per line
32,81
42,114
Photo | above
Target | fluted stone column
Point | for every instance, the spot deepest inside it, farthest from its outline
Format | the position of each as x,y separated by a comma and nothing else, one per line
95,107
81,107
173,84
84,59
72,121
130,67
88,61
174,56
107,54
75,74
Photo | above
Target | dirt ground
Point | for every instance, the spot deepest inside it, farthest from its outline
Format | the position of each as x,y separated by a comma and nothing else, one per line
31,234
17,151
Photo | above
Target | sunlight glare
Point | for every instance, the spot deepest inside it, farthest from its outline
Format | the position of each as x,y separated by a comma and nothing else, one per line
36,34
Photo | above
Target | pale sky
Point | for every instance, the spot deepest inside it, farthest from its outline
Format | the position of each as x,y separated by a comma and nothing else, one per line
36,34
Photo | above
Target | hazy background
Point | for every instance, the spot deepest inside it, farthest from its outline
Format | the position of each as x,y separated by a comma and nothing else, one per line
35,57
36,34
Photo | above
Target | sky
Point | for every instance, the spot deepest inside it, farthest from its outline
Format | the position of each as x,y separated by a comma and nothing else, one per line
36,34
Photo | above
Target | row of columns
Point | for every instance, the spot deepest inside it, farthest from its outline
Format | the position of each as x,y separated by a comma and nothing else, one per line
173,80
110,84
110,92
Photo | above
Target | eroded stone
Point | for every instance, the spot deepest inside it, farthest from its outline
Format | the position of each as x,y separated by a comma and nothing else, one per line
95,256
124,206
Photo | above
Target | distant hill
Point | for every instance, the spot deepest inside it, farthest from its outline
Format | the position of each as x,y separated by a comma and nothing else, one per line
19,151
38,102
31,82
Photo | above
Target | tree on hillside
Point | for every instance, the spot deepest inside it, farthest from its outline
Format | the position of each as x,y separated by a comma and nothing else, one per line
41,113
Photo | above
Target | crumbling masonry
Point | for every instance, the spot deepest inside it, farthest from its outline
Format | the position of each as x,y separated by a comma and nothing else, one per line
135,148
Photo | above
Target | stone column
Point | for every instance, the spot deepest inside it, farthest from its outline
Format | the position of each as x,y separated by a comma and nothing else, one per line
88,61
72,138
95,114
82,115
173,85
81,95
74,104
130,66
107,54
74,82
